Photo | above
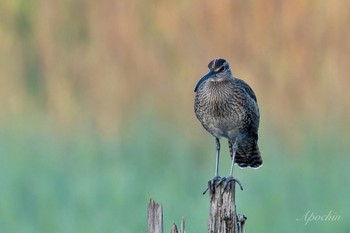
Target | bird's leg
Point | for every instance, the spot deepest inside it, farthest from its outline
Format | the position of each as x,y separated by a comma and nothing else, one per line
217,157
229,179
216,176
233,149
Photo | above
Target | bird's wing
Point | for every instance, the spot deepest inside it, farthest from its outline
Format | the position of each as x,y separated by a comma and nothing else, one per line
247,88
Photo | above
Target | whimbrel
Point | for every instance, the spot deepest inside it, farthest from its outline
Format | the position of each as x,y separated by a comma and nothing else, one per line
227,107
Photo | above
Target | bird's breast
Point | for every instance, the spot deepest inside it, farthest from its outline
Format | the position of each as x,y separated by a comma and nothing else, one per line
218,108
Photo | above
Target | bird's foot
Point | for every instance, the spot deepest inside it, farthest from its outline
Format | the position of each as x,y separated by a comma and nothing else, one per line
228,180
211,184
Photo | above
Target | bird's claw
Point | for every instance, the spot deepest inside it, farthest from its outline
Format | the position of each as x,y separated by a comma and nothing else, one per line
212,186
218,180
228,180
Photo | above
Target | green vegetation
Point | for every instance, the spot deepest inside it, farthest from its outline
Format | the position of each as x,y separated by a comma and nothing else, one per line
82,183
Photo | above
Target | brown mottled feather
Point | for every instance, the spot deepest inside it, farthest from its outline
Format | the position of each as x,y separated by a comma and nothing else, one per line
227,107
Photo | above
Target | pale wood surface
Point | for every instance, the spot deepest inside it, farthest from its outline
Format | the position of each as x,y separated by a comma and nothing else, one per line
155,217
222,212
223,217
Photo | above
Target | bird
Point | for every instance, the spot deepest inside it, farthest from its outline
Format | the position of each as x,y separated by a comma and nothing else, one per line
227,107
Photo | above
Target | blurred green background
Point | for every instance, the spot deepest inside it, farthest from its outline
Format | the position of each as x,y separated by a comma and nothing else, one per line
96,112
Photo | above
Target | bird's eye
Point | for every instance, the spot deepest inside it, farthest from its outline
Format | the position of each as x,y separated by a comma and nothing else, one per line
223,68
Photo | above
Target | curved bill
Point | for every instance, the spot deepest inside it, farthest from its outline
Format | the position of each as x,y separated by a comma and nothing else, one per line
208,75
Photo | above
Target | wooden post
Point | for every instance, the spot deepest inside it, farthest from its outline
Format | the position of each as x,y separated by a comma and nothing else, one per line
182,229
155,217
222,214
223,217
241,223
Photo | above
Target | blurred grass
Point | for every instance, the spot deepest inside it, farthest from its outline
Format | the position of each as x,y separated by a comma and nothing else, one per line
82,183
73,58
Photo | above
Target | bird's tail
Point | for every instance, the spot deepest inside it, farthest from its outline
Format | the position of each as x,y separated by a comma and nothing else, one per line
249,158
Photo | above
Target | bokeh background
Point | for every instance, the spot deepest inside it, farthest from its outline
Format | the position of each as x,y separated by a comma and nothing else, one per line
96,112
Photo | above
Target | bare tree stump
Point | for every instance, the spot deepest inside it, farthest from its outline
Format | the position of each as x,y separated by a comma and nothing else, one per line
182,229
174,228
183,225
155,217
223,217
241,223
222,213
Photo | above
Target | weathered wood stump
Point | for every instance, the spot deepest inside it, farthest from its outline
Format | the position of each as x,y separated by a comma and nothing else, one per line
222,212
155,219
223,217
182,229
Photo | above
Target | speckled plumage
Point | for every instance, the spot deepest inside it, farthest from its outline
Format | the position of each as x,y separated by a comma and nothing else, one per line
227,107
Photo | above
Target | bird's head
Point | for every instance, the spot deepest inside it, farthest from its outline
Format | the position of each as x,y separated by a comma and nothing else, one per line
218,69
